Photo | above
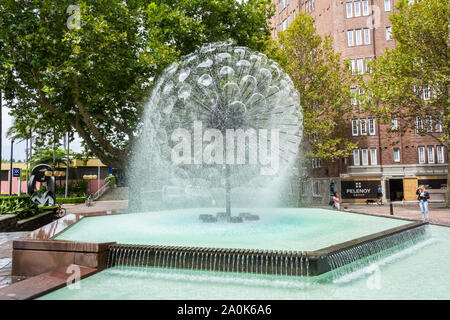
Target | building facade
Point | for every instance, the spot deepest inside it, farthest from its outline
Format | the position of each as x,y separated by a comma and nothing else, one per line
361,31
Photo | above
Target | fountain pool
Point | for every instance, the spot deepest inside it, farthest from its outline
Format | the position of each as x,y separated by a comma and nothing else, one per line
277,229
419,271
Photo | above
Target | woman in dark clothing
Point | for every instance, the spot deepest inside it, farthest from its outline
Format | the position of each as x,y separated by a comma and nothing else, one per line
423,197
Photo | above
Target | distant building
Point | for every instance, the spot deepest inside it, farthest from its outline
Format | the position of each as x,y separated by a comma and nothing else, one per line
362,31
78,169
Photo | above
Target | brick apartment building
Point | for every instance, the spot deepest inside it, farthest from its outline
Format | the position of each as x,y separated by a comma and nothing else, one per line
361,32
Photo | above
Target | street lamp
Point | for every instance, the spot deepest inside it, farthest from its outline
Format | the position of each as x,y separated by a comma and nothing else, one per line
11,167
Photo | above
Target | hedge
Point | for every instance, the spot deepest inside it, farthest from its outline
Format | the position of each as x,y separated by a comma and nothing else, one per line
22,197
70,200
45,208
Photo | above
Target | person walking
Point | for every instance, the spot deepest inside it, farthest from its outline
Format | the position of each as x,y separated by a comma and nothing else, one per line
423,197
380,195
336,201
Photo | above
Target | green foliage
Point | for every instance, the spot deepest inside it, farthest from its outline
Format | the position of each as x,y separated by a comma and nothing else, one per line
95,79
22,197
112,179
323,84
419,61
47,208
45,156
74,188
22,206
70,200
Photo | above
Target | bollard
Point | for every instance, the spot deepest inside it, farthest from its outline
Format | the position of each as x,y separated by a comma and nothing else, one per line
391,208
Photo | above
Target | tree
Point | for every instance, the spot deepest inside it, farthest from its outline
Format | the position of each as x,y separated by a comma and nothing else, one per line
49,156
411,81
323,83
91,69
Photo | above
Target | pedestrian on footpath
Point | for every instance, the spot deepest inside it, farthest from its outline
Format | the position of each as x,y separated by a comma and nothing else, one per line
423,197
336,201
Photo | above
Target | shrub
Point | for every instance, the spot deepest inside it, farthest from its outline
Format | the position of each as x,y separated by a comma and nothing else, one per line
47,208
21,206
70,200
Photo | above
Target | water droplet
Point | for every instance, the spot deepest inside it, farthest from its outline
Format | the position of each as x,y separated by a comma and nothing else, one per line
205,80
205,64
243,64
238,106
168,88
223,57
226,71
184,74
184,92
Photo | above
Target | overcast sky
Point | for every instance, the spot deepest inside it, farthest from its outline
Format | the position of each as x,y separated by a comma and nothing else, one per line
19,148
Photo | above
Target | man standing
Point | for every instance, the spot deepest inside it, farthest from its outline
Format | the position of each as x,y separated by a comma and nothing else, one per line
380,195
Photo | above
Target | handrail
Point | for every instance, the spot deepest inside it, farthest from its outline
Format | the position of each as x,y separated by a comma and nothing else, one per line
102,190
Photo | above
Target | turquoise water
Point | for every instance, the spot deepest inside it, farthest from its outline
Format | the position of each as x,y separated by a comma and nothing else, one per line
277,229
418,272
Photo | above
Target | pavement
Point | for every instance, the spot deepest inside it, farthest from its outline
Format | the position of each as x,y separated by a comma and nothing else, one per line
6,239
97,206
439,214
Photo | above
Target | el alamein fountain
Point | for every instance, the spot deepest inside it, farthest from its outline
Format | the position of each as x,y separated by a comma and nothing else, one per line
223,121
218,146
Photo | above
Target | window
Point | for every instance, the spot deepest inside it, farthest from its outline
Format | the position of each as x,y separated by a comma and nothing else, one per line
365,157
348,8
373,157
360,65
394,124
430,154
388,33
353,94
396,155
366,36
387,5
440,154
315,163
360,94
317,187
421,151
419,124
357,6
353,66
284,27
426,93
358,34
437,127
350,38
368,70
372,127
429,124
363,127
284,4
354,127
365,7
356,157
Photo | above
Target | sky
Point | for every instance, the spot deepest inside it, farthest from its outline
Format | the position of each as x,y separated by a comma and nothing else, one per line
19,148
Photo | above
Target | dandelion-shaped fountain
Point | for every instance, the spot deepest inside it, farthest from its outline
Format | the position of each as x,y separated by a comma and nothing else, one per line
224,117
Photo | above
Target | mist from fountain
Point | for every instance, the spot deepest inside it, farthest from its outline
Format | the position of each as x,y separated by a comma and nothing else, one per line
186,154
